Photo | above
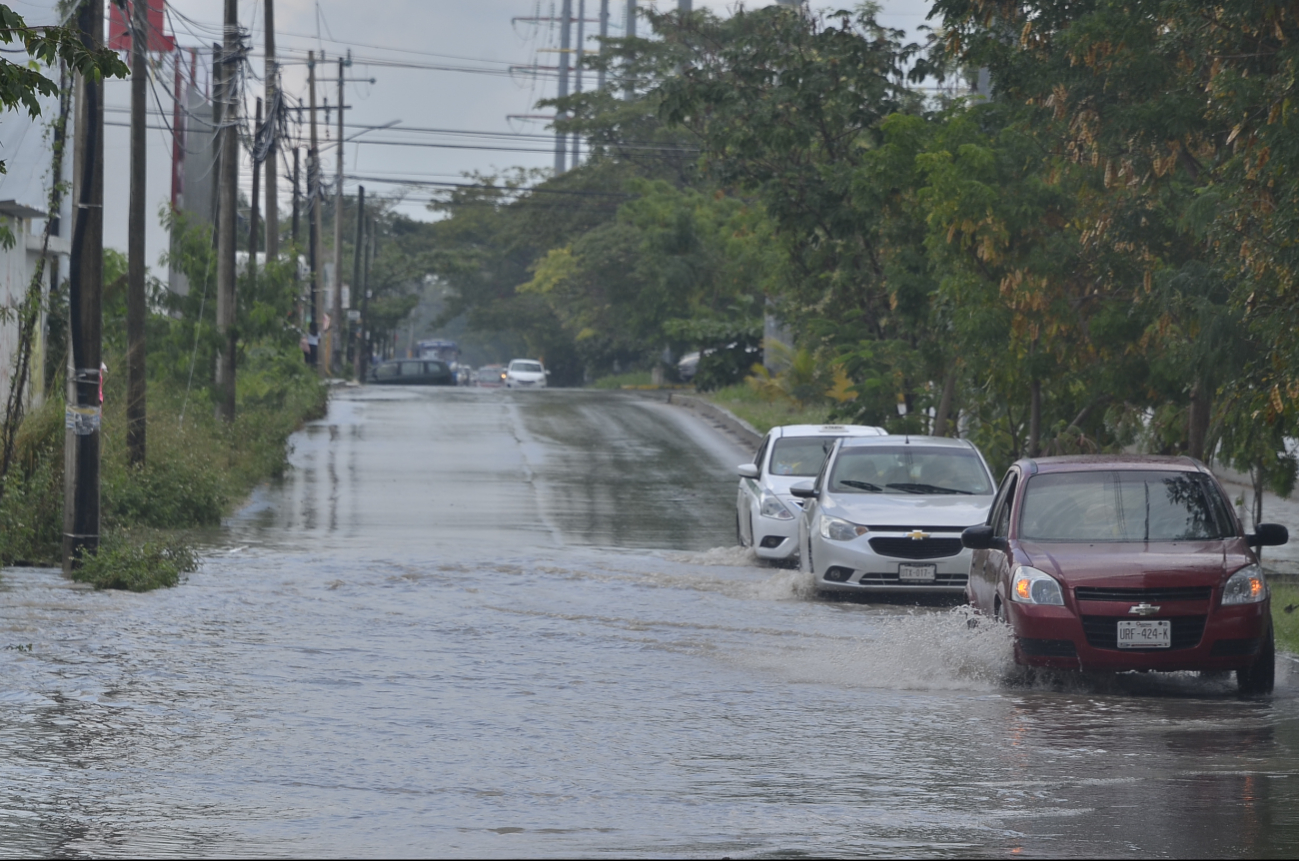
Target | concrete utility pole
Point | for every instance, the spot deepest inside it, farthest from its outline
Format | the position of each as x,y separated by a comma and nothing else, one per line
335,334
313,220
81,440
561,140
254,202
135,301
629,88
296,153
272,116
577,68
357,254
683,6
604,34
365,300
228,195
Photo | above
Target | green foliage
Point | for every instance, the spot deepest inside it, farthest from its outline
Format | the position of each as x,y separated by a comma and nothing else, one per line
137,563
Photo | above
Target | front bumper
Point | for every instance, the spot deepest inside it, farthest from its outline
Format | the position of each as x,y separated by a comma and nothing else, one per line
1205,636
855,566
775,539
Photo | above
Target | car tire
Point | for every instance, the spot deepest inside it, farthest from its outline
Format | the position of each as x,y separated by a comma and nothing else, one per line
1258,678
739,536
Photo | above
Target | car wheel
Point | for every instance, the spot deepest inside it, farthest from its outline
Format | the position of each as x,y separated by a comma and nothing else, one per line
739,536
1258,678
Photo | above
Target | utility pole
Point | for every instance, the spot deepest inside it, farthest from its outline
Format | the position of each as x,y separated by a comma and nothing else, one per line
629,86
296,152
357,253
135,301
228,197
561,140
335,336
604,34
254,203
81,440
683,7
577,69
273,119
313,219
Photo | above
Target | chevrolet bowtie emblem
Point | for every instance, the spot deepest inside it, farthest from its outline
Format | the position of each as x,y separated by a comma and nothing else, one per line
917,535
1143,609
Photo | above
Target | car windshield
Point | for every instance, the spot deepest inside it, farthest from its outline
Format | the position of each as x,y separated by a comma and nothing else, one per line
1123,506
800,456
909,469
530,367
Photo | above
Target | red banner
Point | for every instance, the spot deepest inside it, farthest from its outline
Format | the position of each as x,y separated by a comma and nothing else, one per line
119,38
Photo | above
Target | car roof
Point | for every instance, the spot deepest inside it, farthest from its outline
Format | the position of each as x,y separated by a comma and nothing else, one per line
909,439
1098,462
826,430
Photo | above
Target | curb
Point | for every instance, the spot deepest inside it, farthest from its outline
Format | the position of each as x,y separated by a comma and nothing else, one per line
720,415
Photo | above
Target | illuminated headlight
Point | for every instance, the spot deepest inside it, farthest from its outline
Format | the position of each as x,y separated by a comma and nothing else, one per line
773,507
840,530
1031,586
1246,586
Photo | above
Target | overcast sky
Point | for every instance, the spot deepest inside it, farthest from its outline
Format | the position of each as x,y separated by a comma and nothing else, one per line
466,47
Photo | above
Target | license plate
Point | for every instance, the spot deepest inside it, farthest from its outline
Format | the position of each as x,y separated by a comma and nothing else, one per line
1145,634
917,573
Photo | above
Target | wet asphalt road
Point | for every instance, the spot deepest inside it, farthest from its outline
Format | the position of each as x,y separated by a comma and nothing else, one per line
491,623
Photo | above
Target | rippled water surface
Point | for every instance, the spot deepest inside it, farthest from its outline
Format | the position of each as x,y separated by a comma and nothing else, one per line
481,623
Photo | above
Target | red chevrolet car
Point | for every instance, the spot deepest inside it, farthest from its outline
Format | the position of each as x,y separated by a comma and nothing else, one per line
1125,563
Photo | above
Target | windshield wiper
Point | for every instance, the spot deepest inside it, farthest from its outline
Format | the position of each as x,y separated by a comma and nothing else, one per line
927,488
861,485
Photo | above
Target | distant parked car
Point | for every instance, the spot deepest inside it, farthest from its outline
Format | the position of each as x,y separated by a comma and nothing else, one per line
490,377
413,372
766,515
525,374
1125,563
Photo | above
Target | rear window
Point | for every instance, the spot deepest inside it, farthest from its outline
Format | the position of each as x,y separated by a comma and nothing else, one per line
434,368
1123,505
909,469
800,456
384,372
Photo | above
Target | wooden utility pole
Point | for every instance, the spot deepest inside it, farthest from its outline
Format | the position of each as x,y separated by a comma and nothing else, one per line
81,440
227,195
273,119
254,202
313,219
357,253
135,300
336,326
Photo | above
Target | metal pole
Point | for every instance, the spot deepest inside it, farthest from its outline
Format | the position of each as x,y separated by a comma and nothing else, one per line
135,301
297,151
577,65
357,253
365,301
335,335
313,218
604,34
81,440
629,86
272,118
228,195
561,140
255,202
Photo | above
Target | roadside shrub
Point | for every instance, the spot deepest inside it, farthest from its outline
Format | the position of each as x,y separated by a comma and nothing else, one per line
137,565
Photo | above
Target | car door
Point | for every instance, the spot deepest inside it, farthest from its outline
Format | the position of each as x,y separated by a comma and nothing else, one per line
997,562
983,569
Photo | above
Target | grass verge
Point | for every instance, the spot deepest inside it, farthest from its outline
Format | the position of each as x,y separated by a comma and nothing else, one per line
1286,594
746,403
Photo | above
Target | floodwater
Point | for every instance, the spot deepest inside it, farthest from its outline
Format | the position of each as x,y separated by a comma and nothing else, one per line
495,624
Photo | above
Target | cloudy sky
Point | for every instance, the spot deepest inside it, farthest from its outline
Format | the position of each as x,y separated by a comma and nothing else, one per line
441,66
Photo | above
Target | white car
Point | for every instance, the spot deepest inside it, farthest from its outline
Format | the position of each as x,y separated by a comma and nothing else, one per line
766,514
525,374
886,514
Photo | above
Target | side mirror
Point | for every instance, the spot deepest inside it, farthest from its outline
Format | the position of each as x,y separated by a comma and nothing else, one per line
1268,535
981,538
747,470
803,490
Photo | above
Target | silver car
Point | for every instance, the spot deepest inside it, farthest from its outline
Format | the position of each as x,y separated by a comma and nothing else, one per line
885,514
766,514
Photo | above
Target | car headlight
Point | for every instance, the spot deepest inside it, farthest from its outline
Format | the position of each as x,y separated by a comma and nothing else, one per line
1028,585
773,507
840,530
1246,586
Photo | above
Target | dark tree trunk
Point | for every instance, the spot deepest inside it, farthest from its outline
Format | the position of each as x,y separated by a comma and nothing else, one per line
1035,419
1197,422
942,416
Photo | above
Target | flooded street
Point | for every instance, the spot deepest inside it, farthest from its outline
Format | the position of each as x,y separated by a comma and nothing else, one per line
490,623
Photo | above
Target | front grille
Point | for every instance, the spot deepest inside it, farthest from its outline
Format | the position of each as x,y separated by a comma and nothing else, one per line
1170,593
1235,648
909,548
1047,648
892,579
1103,632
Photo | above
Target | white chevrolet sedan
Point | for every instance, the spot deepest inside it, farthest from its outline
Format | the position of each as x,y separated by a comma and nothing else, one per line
886,514
525,374
766,514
